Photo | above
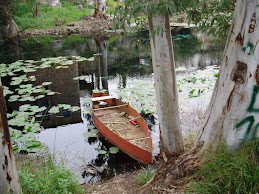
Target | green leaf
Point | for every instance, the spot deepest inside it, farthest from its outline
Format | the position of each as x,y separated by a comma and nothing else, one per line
54,110
103,152
75,108
89,134
114,150
46,83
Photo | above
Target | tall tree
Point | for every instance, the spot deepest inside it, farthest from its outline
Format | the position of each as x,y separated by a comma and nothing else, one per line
100,9
163,66
165,84
9,179
233,114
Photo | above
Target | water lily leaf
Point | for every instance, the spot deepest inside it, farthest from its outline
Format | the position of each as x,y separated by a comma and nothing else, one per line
32,144
114,150
27,70
16,82
64,106
24,107
40,96
90,126
94,131
51,93
39,149
87,100
75,108
90,59
40,109
102,152
37,90
17,122
87,111
58,67
89,134
54,110
32,78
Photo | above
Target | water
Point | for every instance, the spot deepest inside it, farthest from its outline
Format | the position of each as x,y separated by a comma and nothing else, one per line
122,60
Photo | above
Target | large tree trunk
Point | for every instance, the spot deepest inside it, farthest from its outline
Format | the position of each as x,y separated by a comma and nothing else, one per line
165,85
233,114
8,27
9,180
100,9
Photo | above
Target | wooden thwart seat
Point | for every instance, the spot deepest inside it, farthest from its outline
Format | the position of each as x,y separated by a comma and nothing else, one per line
102,98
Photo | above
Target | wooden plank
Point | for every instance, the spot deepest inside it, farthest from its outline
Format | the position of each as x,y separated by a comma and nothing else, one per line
138,139
110,107
102,98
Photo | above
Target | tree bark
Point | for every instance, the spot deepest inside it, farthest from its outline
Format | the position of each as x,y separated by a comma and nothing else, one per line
9,179
100,9
233,113
8,27
165,84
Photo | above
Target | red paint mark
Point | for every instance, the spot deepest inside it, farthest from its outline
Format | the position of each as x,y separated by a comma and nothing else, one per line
252,24
8,177
239,39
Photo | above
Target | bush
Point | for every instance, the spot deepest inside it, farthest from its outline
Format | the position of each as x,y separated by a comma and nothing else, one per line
226,171
47,177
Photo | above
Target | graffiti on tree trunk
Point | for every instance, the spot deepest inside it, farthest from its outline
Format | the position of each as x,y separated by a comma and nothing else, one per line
252,128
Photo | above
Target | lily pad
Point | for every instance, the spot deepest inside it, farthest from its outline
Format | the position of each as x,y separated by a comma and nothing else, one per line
102,152
54,110
89,134
114,150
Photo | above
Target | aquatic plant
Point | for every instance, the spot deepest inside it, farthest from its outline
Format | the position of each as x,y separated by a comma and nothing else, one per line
26,119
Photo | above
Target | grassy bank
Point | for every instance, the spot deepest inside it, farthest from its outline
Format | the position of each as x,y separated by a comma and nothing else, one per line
42,175
227,171
47,17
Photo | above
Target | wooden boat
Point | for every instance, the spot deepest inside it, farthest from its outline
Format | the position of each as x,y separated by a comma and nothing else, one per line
123,126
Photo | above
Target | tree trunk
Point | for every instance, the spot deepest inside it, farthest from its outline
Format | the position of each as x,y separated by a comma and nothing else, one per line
100,9
165,84
8,27
233,114
9,179
102,45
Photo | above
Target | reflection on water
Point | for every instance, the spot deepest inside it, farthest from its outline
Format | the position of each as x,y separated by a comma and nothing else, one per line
117,61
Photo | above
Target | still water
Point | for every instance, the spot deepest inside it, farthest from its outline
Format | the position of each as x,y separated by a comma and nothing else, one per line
118,61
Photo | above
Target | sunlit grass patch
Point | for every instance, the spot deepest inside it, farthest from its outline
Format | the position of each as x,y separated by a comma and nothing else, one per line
47,16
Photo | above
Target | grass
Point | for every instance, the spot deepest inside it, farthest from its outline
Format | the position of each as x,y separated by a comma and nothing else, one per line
43,176
144,176
47,16
227,171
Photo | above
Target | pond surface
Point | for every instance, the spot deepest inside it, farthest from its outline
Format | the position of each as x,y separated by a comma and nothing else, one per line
118,62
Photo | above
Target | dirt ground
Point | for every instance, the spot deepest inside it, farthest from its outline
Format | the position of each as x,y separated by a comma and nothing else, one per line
170,177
